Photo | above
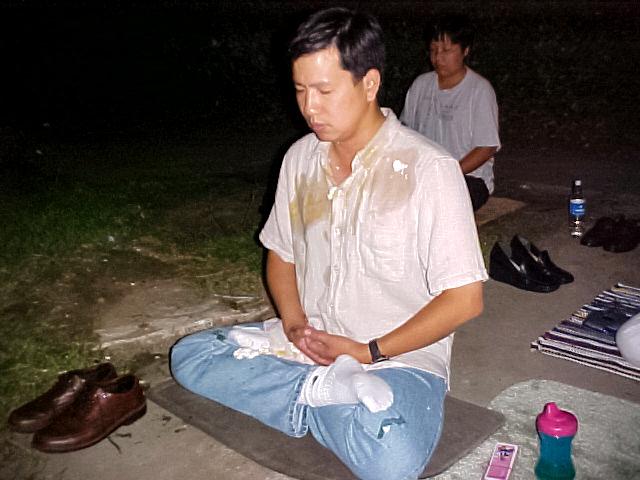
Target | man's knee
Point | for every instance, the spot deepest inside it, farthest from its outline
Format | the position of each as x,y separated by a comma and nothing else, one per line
402,459
192,350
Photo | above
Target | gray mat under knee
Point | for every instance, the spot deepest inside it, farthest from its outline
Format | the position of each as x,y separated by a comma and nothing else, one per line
466,425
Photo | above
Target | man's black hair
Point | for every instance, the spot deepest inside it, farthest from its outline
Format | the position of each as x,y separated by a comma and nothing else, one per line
356,35
457,27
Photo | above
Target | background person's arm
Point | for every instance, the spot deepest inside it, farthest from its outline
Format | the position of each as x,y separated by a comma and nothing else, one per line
476,158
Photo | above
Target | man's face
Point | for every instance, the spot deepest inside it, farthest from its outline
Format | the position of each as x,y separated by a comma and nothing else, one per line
447,58
329,100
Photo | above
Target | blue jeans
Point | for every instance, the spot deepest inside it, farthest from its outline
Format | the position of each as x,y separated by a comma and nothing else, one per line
393,444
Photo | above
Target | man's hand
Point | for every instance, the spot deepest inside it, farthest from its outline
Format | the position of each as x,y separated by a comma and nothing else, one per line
324,348
299,335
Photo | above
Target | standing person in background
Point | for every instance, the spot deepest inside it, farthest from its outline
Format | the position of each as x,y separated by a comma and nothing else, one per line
456,107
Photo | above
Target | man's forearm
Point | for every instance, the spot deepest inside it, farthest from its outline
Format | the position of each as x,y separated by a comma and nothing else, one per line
476,158
281,279
443,315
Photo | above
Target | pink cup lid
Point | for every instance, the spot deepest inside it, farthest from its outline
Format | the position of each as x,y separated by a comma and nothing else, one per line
555,422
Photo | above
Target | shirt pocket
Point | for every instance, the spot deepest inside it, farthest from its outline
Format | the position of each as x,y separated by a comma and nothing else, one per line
384,248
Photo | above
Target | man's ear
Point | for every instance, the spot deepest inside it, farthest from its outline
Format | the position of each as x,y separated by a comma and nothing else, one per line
372,81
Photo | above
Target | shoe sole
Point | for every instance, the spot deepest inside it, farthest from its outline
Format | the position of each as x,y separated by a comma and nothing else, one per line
127,420
592,244
614,249
542,288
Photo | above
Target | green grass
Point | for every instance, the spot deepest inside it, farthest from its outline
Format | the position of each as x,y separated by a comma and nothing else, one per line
32,356
52,227
41,228
59,222
240,248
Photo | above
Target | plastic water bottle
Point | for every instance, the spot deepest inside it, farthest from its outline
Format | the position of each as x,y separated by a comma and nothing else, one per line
577,210
556,429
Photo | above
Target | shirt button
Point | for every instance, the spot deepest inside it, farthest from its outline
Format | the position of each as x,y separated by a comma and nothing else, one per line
338,231
336,268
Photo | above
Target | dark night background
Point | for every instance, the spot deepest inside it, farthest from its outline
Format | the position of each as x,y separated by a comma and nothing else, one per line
93,67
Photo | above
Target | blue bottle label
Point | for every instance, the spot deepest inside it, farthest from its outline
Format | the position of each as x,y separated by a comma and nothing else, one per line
577,207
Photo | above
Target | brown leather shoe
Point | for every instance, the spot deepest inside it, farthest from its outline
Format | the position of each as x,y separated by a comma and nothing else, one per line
39,412
99,410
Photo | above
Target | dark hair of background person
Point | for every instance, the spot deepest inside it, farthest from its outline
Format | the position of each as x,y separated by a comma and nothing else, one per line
457,27
356,35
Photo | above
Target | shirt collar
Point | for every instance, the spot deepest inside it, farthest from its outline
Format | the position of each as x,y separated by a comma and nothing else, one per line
381,139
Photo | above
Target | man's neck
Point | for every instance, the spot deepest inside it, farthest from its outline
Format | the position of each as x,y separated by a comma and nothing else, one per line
343,152
446,83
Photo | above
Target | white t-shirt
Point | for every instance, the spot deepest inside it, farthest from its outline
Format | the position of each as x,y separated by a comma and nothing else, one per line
459,119
372,251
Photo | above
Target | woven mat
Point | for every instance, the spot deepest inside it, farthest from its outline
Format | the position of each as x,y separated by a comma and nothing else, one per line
607,445
572,340
466,426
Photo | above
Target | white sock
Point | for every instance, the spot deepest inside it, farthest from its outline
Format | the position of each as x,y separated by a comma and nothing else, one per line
269,340
250,337
345,382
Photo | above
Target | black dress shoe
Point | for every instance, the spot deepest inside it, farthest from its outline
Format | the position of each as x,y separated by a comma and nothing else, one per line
538,262
602,232
40,412
503,268
626,236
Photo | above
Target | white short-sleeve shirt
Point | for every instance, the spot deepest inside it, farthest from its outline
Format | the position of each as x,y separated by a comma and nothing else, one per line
372,251
459,119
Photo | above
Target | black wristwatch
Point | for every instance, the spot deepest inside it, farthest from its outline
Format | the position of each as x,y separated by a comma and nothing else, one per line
376,356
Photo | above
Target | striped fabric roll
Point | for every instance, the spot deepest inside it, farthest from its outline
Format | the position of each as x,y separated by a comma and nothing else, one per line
576,341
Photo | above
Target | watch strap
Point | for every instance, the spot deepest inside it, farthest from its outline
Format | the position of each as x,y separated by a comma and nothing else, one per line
376,356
